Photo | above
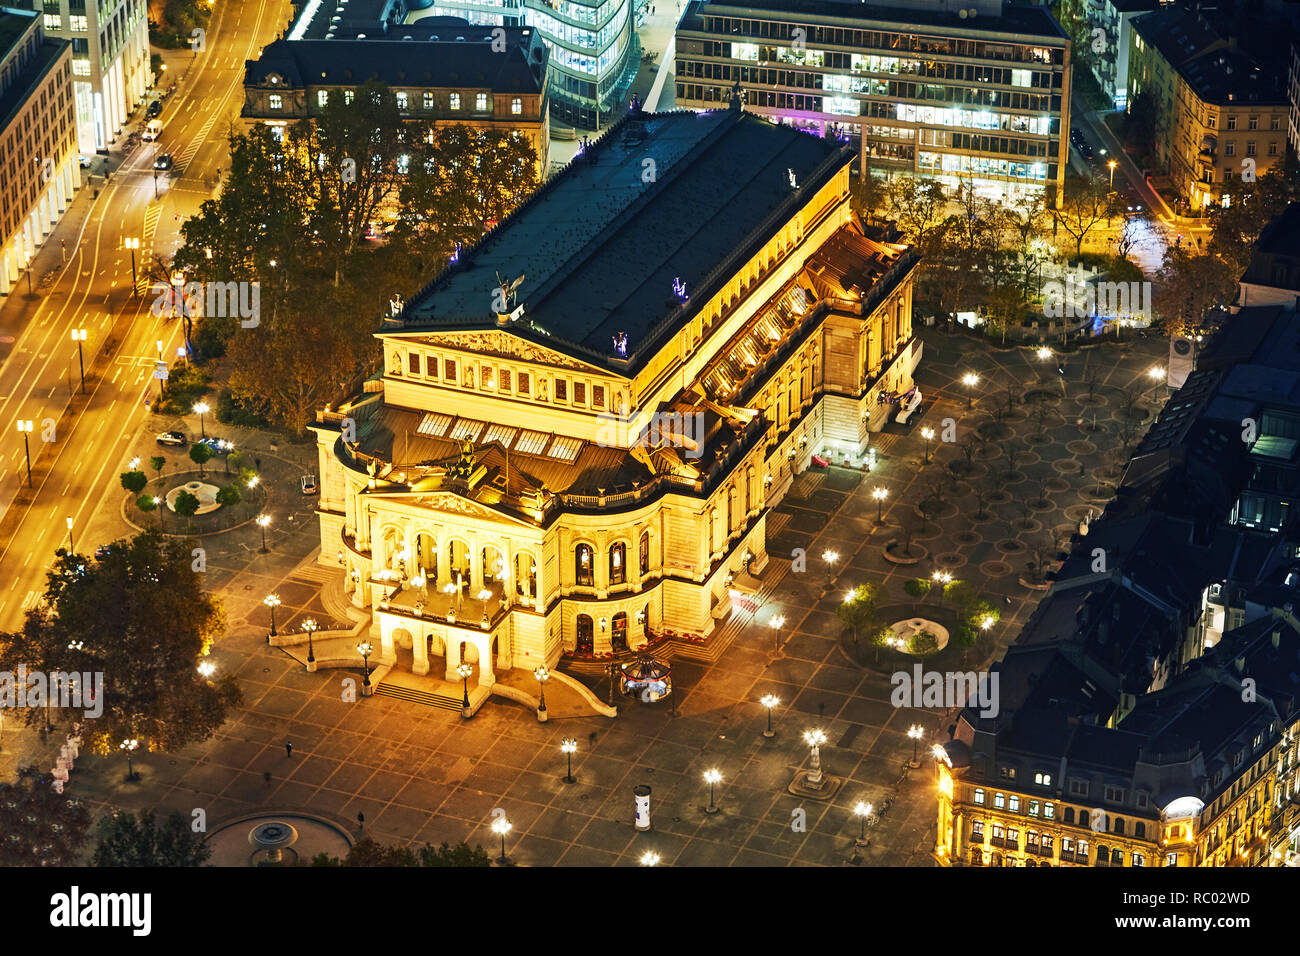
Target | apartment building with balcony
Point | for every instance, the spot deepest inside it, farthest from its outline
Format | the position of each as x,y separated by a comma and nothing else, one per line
1223,112
38,139
1107,27
110,62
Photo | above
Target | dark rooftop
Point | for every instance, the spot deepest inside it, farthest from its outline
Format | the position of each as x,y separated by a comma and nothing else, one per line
432,61
34,72
660,199
1217,72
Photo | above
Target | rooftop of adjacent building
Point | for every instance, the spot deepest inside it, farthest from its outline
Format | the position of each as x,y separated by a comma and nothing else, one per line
1278,245
992,18
1211,63
320,19
439,58
21,83
635,234
14,23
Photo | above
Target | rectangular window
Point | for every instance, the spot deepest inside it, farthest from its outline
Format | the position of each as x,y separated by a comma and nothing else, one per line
504,375
402,100
480,101
1033,808
1114,794
979,796
1272,149
1079,787
455,101
1014,806
999,800
275,101
1252,122
516,106
1250,147
349,96
1275,122
1139,859
431,367
1049,811
322,97
598,396
427,100
579,393
413,362
449,370
561,390
524,383
1232,122
1043,779
77,24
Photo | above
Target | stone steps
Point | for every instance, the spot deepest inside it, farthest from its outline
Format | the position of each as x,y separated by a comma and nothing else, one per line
418,696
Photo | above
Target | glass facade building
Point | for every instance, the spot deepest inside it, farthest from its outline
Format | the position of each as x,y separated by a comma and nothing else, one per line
590,42
937,94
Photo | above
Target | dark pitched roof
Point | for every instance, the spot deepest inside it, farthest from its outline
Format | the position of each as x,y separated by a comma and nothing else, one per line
660,198
430,62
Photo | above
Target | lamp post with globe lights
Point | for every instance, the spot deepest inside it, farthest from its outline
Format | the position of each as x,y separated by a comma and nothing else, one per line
542,675
927,434
770,701
567,746
970,380
501,826
649,858
272,601
464,670
776,623
711,777
830,557
915,732
862,811
202,408
942,579
262,521
310,626
366,649
129,747
880,494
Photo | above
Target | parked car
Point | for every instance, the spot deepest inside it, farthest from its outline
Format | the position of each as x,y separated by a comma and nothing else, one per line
154,109
219,446
103,551
908,407
309,485
153,129
85,161
163,162
176,439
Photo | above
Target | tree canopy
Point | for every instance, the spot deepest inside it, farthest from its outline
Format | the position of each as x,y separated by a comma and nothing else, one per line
130,839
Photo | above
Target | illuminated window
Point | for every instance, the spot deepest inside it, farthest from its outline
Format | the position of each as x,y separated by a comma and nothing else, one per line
598,396
427,100
618,564
349,96
504,377
999,800
1049,811
1043,779
275,101
402,100
583,565
524,383
979,796
480,101
77,24
322,97
1014,804
561,390
516,106
455,101
449,370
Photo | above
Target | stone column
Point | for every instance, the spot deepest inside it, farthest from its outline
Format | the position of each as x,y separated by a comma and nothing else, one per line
475,565
453,656
486,674
420,648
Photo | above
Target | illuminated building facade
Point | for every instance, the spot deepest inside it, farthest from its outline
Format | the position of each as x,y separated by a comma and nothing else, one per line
939,94
580,426
110,62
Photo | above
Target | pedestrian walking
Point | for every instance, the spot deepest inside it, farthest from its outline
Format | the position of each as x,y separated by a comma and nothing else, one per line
361,820
288,748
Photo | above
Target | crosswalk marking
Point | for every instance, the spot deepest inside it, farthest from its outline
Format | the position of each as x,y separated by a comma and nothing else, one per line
192,149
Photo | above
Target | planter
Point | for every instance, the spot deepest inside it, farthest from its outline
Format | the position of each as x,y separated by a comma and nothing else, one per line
918,554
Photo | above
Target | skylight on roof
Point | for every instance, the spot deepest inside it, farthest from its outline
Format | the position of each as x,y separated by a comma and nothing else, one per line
433,424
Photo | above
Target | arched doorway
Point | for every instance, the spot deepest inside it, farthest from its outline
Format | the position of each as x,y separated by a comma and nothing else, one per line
425,563
458,563
586,635
525,574
395,550
618,637
494,565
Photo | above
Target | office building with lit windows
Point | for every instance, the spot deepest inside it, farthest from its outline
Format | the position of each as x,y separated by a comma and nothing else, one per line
110,62
38,139
580,426
593,48
949,91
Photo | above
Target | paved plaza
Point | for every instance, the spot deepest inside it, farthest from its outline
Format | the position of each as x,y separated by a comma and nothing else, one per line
420,774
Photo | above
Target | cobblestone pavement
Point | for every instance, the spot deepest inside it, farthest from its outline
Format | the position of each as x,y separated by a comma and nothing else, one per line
421,774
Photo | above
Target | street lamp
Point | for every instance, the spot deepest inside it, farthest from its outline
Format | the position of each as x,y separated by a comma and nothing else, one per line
79,336
26,428
830,557
776,624
770,701
502,826
814,739
133,243
129,747
927,434
943,579
711,777
1155,371
915,733
207,668
542,675
880,494
863,810
970,380
649,858
273,602
262,521
202,408
365,648
158,504
1112,164
1044,353
464,670
72,546
311,627
567,746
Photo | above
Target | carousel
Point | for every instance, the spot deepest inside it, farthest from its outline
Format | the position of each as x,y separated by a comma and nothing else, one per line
646,678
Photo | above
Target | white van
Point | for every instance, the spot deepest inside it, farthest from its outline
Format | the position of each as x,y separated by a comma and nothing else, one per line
152,131
909,405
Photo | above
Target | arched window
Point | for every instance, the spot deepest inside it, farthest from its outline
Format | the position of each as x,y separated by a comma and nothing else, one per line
582,565
1119,825
1069,814
1116,857
618,564
586,634
1140,830
645,552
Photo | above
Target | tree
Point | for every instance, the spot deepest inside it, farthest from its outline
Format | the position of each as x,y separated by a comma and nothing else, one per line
918,206
158,463
147,504
140,616
924,643
134,481
39,827
366,852
917,587
1084,205
200,454
1246,209
1189,287
186,505
131,840
858,610
228,496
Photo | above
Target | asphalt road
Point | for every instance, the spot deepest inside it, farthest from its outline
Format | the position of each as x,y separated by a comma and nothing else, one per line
80,443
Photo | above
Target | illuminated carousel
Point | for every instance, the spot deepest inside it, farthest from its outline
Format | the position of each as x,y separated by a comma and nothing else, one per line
646,678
